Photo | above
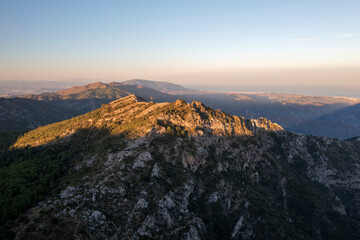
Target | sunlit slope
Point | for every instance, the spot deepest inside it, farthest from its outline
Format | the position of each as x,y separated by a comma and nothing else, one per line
134,117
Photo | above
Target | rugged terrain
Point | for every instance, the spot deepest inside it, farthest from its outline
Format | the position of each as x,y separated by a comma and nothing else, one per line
144,170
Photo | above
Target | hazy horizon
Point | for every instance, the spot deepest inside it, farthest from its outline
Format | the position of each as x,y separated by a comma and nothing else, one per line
315,91
277,46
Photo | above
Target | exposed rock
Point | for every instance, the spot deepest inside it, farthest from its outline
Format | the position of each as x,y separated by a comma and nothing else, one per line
155,171
98,216
141,159
213,197
192,234
167,202
68,192
237,227
141,203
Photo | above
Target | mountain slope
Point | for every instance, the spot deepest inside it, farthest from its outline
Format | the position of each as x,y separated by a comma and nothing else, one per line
161,86
83,99
142,170
134,117
79,89
347,115
26,114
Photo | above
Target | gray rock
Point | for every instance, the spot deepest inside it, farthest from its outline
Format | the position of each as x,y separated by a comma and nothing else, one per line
141,203
192,234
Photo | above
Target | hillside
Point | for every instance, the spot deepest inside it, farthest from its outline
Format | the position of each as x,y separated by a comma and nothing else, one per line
141,170
79,89
83,99
135,117
347,115
26,114
161,86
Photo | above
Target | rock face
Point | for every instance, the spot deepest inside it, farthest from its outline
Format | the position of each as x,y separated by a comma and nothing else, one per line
224,177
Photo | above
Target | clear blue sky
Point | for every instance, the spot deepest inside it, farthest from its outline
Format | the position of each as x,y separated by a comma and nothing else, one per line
176,40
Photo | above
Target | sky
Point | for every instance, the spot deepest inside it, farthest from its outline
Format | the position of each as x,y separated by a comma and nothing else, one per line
242,44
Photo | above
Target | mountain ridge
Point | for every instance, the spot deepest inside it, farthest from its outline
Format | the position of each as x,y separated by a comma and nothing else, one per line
162,86
135,117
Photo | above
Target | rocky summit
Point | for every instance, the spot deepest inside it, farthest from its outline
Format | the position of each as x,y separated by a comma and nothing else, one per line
141,170
134,117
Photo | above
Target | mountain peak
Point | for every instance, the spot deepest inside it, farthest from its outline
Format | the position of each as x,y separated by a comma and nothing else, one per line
134,117
78,89
180,102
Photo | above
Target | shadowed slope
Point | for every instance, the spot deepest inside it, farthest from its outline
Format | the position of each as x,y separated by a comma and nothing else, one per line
26,114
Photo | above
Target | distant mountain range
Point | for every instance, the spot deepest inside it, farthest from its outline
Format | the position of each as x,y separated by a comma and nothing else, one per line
82,99
337,117
159,86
